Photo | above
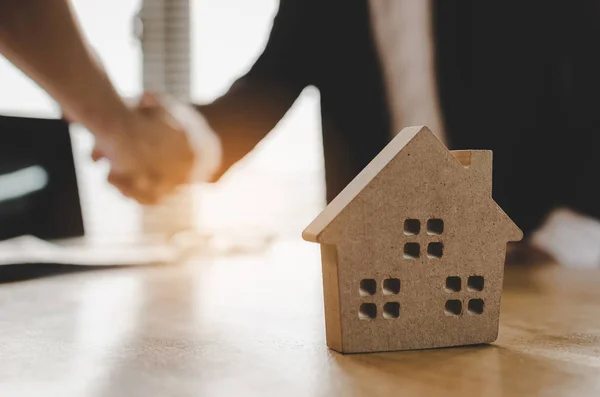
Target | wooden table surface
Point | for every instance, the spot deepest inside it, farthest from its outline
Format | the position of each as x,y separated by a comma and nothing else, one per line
253,326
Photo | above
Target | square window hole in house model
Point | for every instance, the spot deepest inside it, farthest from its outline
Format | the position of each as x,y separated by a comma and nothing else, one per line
476,306
453,284
412,250
453,307
412,227
435,226
367,311
391,310
475,283
368,286
391,286
435,250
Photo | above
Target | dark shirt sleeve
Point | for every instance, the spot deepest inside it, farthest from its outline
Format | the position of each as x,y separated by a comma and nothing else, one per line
257,101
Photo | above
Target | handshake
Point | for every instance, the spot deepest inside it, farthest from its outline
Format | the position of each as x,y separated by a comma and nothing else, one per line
158,145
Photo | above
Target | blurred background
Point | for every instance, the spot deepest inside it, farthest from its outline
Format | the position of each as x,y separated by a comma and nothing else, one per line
278,201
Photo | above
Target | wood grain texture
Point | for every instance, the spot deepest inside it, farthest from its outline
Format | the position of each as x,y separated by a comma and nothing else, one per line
419,216
254,326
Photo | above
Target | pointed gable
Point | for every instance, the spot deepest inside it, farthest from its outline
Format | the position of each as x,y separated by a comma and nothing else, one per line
476,164
312,231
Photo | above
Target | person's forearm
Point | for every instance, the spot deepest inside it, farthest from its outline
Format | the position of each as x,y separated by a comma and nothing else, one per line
42,38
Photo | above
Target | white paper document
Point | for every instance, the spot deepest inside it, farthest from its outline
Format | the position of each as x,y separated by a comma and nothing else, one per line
29,249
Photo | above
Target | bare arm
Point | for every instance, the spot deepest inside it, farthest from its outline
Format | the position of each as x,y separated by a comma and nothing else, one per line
42,38
256,102
148,152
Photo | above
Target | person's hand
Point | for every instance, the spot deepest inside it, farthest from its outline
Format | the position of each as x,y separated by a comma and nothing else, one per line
149,153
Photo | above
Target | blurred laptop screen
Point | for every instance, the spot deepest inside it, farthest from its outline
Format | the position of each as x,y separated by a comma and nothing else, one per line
38,184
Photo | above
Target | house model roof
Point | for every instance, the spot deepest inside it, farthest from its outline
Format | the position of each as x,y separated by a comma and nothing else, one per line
353,189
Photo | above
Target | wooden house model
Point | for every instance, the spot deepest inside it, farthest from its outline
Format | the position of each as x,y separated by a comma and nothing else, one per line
413,250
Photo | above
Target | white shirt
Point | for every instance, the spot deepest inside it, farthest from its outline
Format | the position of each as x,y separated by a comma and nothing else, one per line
403,33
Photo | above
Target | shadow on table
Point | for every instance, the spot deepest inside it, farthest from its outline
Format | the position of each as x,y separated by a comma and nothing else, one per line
32,271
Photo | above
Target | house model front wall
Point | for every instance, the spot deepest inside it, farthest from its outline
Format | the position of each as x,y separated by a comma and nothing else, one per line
416,259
